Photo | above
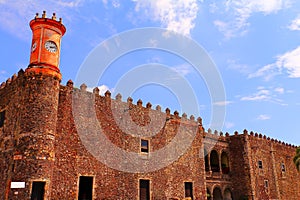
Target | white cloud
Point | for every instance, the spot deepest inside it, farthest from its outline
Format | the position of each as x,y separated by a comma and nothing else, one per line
279,90
267,72
15,15
183,69
116,4
178,16
263,117
233,65
290,62
261,95
266,94
102,89
295,25
70,4
222,103
238,13
105,2
229,125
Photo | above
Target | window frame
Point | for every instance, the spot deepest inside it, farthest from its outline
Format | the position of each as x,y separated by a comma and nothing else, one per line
144,148
282,167
260,164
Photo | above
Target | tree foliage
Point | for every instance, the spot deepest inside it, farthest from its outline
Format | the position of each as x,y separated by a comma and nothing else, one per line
297,159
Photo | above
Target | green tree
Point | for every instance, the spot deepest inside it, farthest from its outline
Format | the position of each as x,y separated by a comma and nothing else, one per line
297,159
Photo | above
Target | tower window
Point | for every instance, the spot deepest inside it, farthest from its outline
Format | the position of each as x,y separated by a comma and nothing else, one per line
188,189
2,118
260,165
282,167
266,185
38,190
85,188
144,189
144,146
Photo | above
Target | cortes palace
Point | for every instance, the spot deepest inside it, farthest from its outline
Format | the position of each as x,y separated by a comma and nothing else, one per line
65,143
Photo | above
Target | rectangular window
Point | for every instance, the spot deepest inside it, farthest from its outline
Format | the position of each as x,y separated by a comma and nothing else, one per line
2,118
260,165
144,146
188,189
38,190
85,188
144,189
267,185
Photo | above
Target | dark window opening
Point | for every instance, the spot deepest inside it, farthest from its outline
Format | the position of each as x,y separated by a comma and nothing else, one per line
260,165
38,190
266,184
144,189
206,163
144,146
224,163
214,161
227,194
85,188
282,167
188,189
217,194
208,194
2,118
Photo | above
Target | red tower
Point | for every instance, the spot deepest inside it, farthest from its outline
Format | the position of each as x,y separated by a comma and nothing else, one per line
34,153
45,47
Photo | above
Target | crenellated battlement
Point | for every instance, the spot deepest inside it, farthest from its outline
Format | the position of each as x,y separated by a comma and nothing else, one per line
221,136
11,80
175,117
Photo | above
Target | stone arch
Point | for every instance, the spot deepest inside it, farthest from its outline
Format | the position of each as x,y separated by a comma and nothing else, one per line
217,194
227,194
224,163
214,161
206,160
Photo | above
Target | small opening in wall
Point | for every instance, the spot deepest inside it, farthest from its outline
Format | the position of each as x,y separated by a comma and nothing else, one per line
85,188
266,184
188,189
2,118
282,167
144,189
260,164
144,146
38,190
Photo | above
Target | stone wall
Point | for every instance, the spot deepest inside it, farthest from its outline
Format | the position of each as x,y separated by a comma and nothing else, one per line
30,103
55,134
82,153
278,176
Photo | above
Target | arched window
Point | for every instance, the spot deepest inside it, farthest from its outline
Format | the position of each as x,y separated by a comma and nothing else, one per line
217,194
206,160
227,194
208,194
224,163
214,161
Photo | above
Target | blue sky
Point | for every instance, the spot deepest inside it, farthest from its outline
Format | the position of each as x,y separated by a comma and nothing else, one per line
254,44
